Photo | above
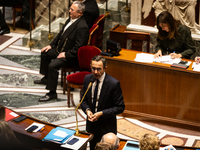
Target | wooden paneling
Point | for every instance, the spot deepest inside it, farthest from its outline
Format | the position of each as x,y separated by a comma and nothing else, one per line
157,89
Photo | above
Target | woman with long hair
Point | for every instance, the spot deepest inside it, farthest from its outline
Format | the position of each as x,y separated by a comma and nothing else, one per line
173,38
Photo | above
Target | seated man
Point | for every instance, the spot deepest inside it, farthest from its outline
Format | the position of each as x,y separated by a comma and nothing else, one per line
63,49
149,142
112,139
4,29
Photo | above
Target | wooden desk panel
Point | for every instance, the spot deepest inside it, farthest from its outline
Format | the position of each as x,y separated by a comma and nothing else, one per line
34,140
157,90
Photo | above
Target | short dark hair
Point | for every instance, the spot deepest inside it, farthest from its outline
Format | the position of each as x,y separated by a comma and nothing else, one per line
167,18
98,58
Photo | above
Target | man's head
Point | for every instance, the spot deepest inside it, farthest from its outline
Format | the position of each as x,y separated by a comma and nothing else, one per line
98,66
112,139
76,10
149,142
104,146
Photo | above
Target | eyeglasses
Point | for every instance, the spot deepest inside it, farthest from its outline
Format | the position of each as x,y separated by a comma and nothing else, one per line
98,69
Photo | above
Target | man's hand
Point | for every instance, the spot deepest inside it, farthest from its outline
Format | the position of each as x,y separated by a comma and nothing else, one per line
159,53
97,115
93,117
45,49
61,55
89,115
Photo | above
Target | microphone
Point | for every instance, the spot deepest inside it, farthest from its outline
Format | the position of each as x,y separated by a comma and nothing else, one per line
90,84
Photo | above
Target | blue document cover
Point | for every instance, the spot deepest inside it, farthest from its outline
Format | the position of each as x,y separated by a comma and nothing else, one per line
59,135
131,145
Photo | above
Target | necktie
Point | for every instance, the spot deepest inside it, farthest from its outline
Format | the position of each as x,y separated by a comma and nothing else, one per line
95,97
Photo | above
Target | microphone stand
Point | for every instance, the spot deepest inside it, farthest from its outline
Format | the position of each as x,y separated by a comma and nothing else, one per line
77,130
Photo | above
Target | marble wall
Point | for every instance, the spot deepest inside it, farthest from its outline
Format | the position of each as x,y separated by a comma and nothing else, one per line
59,8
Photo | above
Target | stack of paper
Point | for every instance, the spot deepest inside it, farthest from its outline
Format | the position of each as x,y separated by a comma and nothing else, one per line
195,66
167,59
143,57
149,58
39,126
59,135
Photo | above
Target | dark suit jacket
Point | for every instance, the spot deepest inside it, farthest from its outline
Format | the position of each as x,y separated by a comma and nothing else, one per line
110,102
14,2
72,39
91,12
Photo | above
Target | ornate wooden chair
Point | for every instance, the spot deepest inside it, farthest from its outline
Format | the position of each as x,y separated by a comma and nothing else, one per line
100,21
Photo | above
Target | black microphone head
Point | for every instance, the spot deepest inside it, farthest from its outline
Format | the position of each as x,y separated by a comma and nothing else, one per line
92,79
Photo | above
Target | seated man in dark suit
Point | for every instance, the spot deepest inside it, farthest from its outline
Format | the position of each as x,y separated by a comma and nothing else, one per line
102,102
63,49
3,26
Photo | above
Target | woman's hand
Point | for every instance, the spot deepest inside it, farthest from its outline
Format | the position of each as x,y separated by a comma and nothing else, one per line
159,53
197,59
174,55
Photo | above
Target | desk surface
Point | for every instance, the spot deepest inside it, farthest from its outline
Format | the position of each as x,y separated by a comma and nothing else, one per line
130,55
156,90
36,137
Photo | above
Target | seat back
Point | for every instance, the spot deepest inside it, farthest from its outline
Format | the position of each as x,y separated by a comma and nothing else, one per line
93,35
137,39
85,54
100,21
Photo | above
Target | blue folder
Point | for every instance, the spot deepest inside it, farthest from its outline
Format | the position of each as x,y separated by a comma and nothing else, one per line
58,135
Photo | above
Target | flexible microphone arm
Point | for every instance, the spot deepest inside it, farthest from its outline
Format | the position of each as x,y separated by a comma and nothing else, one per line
90,84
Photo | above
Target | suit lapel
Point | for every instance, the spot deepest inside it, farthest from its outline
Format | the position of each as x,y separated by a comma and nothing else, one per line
103,91
69,30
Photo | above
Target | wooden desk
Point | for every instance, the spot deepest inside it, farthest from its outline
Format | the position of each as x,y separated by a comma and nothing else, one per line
157,91
34,140
123,143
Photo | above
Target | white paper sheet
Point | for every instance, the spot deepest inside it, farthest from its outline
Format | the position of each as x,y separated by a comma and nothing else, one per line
195,66
76,145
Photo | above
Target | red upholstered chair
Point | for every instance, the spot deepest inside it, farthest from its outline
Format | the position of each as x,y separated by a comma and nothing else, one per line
75,80
93,35
100,21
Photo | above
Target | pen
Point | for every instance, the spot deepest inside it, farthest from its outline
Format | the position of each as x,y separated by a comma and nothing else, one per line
41,129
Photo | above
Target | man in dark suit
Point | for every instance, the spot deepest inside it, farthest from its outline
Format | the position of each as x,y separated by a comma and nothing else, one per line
102,102
63,49
3,26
